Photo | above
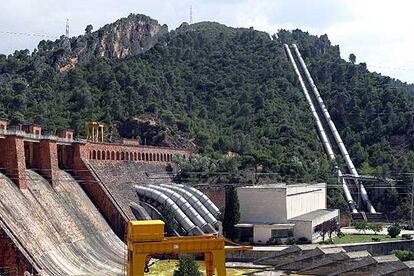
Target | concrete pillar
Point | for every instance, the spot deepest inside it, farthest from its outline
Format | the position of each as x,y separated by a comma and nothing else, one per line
47,161
13,161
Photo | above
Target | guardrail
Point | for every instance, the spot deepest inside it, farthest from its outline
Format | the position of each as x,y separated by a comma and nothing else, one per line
21,133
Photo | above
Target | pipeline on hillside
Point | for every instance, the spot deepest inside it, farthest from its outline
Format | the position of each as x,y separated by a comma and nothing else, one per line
337,137
321,131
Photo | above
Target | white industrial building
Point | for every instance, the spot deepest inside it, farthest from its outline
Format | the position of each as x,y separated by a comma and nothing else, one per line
282,211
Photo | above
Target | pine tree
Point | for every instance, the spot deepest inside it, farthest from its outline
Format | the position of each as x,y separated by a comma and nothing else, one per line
187,266
231,213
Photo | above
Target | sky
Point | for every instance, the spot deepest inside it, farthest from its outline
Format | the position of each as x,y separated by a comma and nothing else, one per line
377,32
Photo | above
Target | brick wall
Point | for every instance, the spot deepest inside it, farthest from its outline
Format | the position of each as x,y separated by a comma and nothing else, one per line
12,159
116,152
99,194
216,194
12,261
46,159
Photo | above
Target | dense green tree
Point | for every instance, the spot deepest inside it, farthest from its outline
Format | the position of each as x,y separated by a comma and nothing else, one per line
231,213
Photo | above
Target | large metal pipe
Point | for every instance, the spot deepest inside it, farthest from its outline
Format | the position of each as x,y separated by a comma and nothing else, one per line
186,207
203,199
164,200
337,137
196,203
321,131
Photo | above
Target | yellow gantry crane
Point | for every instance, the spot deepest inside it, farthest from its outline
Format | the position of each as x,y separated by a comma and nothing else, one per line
146,238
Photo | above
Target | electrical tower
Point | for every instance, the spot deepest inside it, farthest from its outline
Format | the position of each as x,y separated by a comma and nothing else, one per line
67,27
191,15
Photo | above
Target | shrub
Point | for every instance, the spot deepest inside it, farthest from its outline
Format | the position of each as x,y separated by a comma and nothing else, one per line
187,266
376,239
274,241
375,227
406,237
394,230
360,226
403,255
290,241
340,234
303,240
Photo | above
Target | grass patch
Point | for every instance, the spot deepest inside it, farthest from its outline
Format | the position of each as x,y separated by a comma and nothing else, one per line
356,238
166,268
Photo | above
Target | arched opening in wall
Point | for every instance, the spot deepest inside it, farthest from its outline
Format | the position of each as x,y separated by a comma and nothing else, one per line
168,158
103,155
112,155
131,156
165,157
90,154
171,157
65,156
31,154
150,156
146,157
158,157
108,155
94,154
135,156
122,155
126,156
139,156
184,156
117,155
161,157
99,155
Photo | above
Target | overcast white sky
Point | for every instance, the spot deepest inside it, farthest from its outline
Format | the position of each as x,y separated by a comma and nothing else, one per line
379,32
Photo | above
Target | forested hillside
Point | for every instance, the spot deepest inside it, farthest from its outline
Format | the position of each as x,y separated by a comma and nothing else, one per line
228,90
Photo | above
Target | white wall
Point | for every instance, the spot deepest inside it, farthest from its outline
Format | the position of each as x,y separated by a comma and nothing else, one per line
262,205
302,200
303,229
261,234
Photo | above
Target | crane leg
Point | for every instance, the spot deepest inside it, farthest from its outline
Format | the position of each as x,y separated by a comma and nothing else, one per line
219,259
208,259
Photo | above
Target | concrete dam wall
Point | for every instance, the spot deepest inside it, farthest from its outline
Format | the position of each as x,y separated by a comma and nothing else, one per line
58,227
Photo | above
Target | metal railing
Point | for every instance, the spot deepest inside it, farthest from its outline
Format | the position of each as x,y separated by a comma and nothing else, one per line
32,136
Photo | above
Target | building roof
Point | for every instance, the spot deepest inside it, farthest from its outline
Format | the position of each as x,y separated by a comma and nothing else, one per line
266,225
314,214
282,185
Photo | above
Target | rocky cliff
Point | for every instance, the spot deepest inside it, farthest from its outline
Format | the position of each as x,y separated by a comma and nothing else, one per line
128,36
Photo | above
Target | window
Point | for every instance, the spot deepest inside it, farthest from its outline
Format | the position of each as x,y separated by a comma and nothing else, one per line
281,233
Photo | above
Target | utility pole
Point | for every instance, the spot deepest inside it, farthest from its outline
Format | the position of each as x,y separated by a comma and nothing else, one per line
412,202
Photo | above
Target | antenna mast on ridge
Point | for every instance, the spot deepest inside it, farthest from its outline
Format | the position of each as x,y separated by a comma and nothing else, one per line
191,15
67,27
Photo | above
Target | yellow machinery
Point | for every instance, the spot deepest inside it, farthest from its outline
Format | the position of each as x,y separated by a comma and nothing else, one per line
95,132
145,238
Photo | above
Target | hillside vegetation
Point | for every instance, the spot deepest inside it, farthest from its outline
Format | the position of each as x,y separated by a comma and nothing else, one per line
228,90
